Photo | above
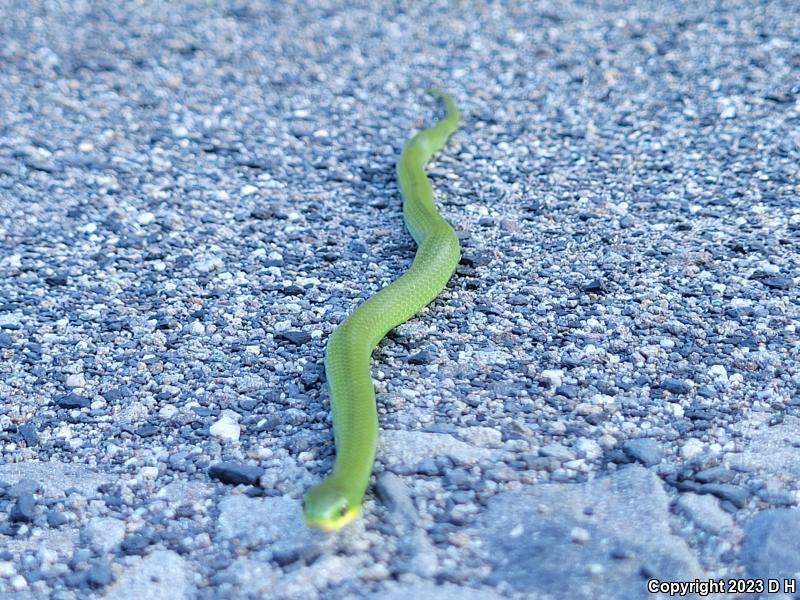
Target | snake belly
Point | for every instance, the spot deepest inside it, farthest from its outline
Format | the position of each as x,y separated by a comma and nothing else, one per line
337,499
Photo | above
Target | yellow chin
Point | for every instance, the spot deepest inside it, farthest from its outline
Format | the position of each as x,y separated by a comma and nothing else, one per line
331,524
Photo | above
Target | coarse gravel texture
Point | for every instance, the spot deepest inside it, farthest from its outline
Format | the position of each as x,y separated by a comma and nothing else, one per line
193,194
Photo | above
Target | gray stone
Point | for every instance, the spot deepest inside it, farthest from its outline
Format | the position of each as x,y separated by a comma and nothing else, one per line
771,544
56,518
557,451
529,541
105,533
394,493
273,522
735,494
431,591
55,477
163,575
412,447
24,486
100,573
24,509
646,451
768,450
714,475
705,512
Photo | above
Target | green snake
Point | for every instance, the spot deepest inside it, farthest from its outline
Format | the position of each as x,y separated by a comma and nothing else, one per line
336,500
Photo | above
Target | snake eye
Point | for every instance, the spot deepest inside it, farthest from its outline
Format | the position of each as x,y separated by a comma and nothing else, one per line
343,511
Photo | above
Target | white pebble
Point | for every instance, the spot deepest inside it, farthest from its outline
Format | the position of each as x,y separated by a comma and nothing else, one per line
676,409
589,448
719,373
282,325
148,472
75,380
18,582
15,261
596,569
168,411
146,218
48,556
197,328
227,428
579,535
691,448
768,267
209,263
553,376
248,189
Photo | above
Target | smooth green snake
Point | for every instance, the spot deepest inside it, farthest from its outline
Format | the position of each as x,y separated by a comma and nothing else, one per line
336,500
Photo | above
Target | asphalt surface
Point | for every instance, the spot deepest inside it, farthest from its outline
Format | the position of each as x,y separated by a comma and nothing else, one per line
194,194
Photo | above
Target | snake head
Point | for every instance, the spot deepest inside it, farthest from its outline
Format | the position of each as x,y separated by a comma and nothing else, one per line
327,506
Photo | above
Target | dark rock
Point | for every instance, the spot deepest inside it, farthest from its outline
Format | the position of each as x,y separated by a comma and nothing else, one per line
235,473
296,337
311,374
73,401
135,545
778,283
676,386
422,357
568,391
714,475
735,494
56,280
6,341
28,433
44,166
23,509
99,574
247,404
56,518
595,286
475,259
147,430
117,393
428,467
112,501
285,556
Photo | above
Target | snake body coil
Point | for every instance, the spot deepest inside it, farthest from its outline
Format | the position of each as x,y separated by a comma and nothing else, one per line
337,499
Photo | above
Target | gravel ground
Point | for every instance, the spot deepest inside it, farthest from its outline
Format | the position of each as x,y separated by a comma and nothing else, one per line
193,195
